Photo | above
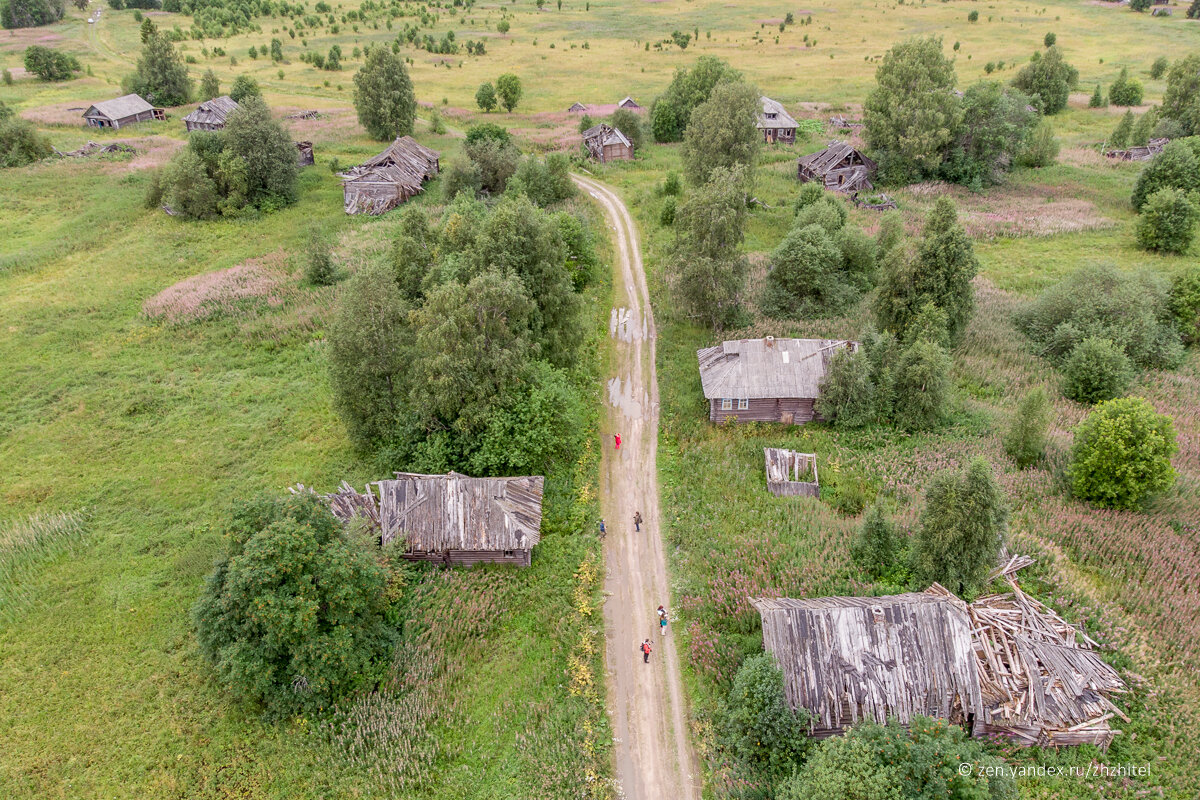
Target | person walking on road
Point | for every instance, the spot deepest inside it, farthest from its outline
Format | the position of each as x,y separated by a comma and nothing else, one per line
602,529
662,621
617,440
645,648
637,521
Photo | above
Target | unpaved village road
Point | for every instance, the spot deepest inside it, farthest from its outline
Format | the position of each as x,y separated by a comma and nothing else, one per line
654,759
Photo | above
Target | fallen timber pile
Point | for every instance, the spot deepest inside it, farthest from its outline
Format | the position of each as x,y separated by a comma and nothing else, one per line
92,148
310,114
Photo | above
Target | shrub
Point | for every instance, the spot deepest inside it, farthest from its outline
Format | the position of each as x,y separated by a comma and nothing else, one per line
508,89
1139,5
1041,148
1181,102
495,161
1100,301
962,528
629,122
1125,91
1168,222
1097,99
847,394
878,546
922,386
20,142
1122,454
1025,440
293,617
50,65
485,97
1140,135
1159,67
543,180
1049,81
1185,304
1096,370
319,269
973,16
383,96
244,86
1121,134
1049,40
210,87
806,276
758,728
666,216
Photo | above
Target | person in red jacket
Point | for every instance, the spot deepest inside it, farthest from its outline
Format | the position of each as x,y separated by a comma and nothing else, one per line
617,439
645,648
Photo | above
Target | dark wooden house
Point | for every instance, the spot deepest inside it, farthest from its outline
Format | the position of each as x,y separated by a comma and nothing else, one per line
210,115
385,181
839,167
577,108
847,659
791,474
775,123
122,111
629,103
605,143
765,380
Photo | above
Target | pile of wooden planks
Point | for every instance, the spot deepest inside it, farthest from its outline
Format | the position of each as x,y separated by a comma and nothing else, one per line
91,148
311,114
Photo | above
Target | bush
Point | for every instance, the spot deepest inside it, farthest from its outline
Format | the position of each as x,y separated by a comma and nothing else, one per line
846,396
922,386
876,762
1125,91
1139,5
1131,310
1159,67
244,86
758,729
629,122
1025,440
878,547
963,525
1185,304
1049,81
20,142
1181,102
1140,135
807,275
666,216
1122,454
319,269
210,87
485,97
508,89
383,96
1168,222
1041,148
50,65
1120,136
1097,99
1096,370
545,181
293,617
495,161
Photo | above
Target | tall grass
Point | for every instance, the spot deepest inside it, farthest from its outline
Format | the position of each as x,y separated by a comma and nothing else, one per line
24,546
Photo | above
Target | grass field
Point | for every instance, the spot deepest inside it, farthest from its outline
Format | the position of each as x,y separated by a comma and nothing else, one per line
145,432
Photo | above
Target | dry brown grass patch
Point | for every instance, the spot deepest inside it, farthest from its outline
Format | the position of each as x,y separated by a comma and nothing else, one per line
1014,211
226,292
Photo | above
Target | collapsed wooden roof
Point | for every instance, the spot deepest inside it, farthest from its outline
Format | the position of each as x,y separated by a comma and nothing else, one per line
847,659
212,112
840,167
1143,152
766,368
772,114
604,135
406,162
788,472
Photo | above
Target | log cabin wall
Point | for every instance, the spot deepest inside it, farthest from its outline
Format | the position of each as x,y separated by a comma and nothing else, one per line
800,409
469,558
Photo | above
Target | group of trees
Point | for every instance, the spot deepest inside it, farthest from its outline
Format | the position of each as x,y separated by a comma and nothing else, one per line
507,92
494,165
671,111
920,126
49,64
31,13
460,354
1167,197
1099,326
249,164
161,76
20,141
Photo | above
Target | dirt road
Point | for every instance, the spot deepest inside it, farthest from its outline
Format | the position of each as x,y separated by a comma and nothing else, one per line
654,759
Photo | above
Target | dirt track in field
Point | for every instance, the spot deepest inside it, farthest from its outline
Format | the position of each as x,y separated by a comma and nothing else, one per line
654,758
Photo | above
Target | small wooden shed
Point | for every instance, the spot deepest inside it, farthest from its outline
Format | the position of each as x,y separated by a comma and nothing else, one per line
210,115
605,143
122,111
775,123
629,103
848,659
577,107
791,474
766,380
385,181
839,167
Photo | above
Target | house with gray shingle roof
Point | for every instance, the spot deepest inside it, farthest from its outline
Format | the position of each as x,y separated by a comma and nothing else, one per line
775,122
121,112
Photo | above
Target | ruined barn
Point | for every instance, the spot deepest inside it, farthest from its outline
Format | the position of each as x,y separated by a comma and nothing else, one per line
451,519
1144,152
791,474
849,659
839,168
210,115
775,123
121,112
383,182
766,380
605,143
304,154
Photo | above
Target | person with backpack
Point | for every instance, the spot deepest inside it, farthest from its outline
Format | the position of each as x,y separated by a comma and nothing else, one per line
602,528
645,648
662,621
637,521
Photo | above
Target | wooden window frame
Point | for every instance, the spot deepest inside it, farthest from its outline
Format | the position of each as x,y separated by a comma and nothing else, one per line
743,404
727,404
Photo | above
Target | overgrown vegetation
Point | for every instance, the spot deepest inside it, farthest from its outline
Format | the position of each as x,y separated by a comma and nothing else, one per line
1122,454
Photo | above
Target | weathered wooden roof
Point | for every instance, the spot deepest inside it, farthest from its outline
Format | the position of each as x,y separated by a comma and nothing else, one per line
119,108
405,161
436,513
212,112
846,659
837,155
606,134
766,368
577,107
772,114
628,102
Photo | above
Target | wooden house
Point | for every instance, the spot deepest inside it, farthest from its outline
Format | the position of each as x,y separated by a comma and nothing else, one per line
577,108
605,143
450,519
122,111
304,154
629,103
791,474
848,659
775,123
385,181
210,115
765,380
839,167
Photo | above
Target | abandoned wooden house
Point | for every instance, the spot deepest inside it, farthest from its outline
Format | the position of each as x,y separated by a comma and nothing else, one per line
577,107
1143,152
605,143
451,519
791,474
383,182
766,380
847,659
122,111
629,103
304,154
839,167
775,122
210,115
